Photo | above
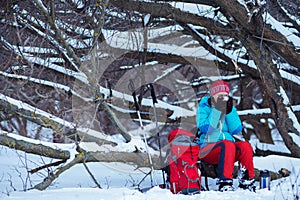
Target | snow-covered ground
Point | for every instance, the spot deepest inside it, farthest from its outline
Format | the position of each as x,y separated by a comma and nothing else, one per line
117,180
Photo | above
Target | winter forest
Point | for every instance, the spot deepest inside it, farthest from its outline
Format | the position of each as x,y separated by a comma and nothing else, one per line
70,70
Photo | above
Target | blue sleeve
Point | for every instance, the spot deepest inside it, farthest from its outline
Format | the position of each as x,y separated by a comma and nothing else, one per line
207,118
233,122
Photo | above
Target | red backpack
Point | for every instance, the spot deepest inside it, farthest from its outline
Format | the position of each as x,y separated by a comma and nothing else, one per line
184,175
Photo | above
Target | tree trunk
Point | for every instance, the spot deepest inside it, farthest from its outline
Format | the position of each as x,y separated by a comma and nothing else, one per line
273,84
260,52
137,158
210,171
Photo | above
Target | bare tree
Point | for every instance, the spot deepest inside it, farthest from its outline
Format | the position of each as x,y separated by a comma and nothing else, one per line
71,68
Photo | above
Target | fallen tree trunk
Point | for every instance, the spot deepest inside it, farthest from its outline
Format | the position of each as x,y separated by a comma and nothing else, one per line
210,171
135,158
140,160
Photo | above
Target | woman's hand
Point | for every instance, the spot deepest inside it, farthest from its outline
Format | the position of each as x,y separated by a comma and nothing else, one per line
224,104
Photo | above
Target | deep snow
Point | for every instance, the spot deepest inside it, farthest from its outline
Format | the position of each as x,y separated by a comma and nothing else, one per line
117,179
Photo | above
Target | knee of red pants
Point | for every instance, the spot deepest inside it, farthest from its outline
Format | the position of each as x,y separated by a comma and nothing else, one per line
244,149
212,152
223,154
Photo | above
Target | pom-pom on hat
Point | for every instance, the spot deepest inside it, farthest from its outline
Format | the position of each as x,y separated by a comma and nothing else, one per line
219,86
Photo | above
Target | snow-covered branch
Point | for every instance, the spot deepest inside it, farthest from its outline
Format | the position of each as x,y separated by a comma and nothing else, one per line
23,144
49,13
47,63
61,126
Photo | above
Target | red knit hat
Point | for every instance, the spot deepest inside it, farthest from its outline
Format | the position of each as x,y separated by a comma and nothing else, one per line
219,86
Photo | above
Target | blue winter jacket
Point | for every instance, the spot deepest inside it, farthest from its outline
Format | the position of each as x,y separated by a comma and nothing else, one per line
213,126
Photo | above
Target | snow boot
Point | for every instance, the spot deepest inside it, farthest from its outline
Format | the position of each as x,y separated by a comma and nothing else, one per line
247,185
244,181
225,185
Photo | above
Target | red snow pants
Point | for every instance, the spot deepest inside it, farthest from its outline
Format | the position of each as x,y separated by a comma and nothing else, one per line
225,153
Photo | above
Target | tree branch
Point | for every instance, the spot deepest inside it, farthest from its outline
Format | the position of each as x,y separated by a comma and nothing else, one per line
37,149
257,26
48,180
60,126
58,33
98,31
32,171
228,66
273,85
168,11
92,176
113,118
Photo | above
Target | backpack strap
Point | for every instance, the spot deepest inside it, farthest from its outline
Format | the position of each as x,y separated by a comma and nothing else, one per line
197,136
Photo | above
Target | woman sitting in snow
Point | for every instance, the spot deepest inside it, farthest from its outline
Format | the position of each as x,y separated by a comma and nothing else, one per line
217,121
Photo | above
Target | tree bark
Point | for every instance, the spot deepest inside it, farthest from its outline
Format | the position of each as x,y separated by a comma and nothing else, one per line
48,121
140,160
137,158
37,149
168,11
273,84
210,171
259,51
255,27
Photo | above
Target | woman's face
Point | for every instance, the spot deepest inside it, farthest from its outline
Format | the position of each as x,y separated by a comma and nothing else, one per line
224,94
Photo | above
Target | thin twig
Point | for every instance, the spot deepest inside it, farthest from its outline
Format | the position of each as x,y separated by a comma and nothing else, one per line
48,180
274,41
90,173
46,166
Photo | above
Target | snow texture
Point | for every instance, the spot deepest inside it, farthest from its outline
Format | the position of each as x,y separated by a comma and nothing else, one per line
116,180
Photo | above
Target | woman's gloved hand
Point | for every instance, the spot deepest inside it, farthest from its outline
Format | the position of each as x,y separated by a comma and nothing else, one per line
224,104
229,105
